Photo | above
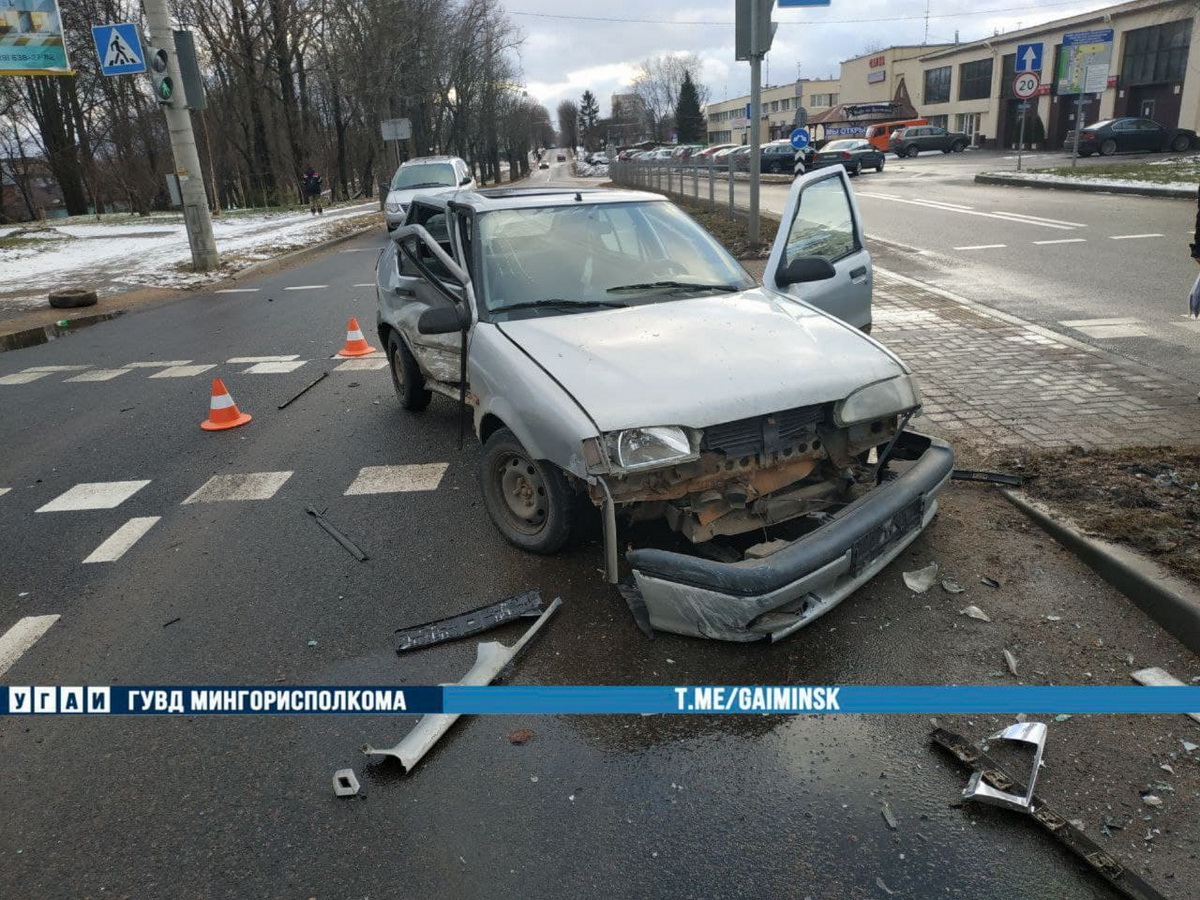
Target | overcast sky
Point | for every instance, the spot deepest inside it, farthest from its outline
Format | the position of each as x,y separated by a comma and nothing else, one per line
572,46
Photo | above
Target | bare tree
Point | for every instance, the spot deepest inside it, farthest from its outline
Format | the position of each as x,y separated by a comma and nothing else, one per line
568,123
658,82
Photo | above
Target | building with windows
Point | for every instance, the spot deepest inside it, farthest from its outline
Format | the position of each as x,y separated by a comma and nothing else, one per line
729,120
1143,71
969,87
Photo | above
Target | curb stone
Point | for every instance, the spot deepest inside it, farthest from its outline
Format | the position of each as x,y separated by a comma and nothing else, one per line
1166,598
1066,184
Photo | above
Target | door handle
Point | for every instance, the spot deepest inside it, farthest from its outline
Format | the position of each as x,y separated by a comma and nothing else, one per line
860,272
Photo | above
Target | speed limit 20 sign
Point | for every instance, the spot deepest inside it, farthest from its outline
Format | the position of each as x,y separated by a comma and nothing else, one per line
1025,85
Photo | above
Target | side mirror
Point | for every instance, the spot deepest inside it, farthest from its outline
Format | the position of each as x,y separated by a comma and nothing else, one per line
804,269
466,179
441,320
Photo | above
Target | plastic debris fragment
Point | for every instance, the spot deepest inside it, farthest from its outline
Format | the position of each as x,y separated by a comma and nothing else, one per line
921,580
974,612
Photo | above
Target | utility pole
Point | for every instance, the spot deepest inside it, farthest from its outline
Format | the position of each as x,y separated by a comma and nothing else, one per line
753,33
161,39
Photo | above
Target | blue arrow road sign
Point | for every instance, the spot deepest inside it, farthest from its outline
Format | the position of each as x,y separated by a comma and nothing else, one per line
800,138
1029,57
119,49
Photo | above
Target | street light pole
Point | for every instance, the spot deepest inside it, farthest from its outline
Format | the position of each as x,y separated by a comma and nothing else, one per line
183,145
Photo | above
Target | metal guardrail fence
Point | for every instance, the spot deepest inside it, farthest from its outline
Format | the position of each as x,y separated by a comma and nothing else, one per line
694,179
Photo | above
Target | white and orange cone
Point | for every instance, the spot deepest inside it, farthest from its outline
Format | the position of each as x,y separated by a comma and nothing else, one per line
222,411
356,344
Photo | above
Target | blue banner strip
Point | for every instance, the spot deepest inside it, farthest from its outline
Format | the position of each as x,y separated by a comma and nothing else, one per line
589,700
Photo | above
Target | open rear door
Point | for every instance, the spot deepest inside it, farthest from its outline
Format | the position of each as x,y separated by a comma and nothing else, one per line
822,221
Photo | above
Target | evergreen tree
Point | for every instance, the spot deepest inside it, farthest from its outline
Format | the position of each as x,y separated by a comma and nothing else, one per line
689,121
589,114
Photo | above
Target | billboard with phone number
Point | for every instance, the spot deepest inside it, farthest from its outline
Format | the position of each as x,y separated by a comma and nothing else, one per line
31,38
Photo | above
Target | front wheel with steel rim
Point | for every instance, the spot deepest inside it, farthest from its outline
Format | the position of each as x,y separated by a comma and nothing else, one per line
406,375
528,499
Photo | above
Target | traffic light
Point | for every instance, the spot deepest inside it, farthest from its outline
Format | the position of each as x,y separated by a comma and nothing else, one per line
164,86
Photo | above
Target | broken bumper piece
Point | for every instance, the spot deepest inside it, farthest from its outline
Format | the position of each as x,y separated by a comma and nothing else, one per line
781,593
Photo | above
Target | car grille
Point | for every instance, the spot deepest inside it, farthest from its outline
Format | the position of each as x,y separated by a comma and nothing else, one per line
764,434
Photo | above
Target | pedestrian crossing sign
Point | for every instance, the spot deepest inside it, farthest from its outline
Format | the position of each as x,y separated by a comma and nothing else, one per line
119,49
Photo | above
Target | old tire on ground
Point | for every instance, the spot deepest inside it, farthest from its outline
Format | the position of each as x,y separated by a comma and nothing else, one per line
1180,143
1108,148
71,298
528,499
406,375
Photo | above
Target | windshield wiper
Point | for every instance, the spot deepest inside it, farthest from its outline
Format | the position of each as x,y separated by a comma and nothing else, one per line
410,187
688,285
560,302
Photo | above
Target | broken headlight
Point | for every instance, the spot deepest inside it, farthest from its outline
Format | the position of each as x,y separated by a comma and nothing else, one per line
877,400
649,448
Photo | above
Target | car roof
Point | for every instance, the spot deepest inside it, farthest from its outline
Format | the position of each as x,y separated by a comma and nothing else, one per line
490,199
428,159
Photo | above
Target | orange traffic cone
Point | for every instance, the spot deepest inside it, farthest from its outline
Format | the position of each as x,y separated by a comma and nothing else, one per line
223,412
356,344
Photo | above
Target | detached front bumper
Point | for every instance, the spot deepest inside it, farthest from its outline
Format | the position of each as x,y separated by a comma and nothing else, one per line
779,594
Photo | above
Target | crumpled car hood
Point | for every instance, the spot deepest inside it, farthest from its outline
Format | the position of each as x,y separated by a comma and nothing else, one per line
701,361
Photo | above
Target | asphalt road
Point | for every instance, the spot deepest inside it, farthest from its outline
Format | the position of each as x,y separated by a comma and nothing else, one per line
251,591
1110,270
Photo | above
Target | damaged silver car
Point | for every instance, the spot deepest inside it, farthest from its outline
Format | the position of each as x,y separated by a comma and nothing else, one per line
749,444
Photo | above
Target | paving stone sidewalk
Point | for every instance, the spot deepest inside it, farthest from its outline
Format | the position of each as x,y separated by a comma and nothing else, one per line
996,382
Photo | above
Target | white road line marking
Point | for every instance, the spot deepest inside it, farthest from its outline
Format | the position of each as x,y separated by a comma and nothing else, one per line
1101,332
378,354
257,359
1075,323
94,495
237,291
395,479
122,539
249,486
1132,237
56,369
1063,241
274,368
22,636
361,365
161,364
99,375
1041,219
4,491
983,247
23,377
307,287
182,371
366,284
1007,217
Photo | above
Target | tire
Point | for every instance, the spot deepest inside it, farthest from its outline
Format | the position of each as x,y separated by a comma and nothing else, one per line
406,375
913,151
1180,143
528,499
1108,148
879,165
72,298
959,147
856,169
